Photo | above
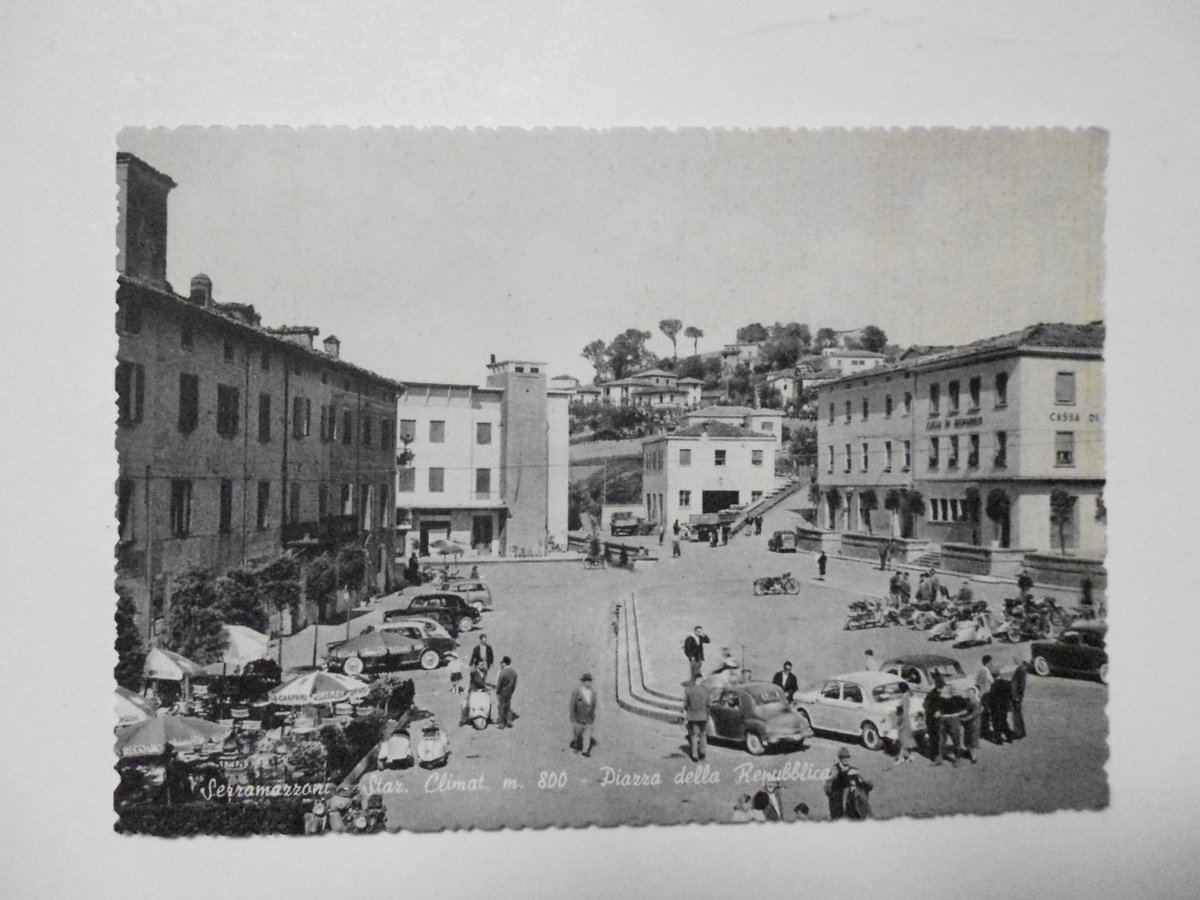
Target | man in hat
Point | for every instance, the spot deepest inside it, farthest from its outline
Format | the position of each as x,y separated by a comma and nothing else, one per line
583,715
506,686
847,790
695,711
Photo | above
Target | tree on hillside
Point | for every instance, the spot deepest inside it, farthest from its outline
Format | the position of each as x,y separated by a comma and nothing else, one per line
769,397
706,369
193,621
785,346
695,334
752,333
671,328
597,354
873,338
741,385
627,353
131,653
826,337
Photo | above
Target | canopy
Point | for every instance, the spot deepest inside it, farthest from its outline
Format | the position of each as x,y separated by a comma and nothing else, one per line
371,645
448,548
245,645
131,709
152,737
318,687
166,665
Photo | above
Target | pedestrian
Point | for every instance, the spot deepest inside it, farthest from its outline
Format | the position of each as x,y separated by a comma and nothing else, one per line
758,525
675,529
583,715
965,595
933,727
693,649
662,534
724,534
905,588
786,681
972,723
870,663
413,571
474,576
483,653
768,802
906,742
883,557
822,560
1017,698
925,595
894,588
675,547
998,708
950,720
695,711
984,678
506,685
935,585
713,537
847,790
1024,582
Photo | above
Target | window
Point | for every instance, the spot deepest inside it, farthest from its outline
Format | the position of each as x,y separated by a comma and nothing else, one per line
887,406
755,496
322,501
1001,449
301,416
952,462
1064,448
685,456
1064,388
266,362
347,426
534,369
437,480
934,449
125,510
935,399
756,457
264,417
852,693
975,386
406,480
294,502
848,465
933,511
907,455
1001,389
719,458
848,413
227,347
328,421
187,337
768,426
228,410
262,516
907,403
387,434
831,413
483,481
483,432
437,432
408,429
685,499
519,368
972,450
189,402
225,518
945,510
347,499
953,402
366,506
865,456
831,458
866,408
832,690
954,517
181,507
366,431
887,456
384,506
131,392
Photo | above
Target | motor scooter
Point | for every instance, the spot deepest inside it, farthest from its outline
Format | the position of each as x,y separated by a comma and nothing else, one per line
433,749
975,630
479,708
776,584
397,751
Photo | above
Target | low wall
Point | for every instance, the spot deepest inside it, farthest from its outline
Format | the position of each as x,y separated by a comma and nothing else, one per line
815,541
1003,562
867,546
1066,571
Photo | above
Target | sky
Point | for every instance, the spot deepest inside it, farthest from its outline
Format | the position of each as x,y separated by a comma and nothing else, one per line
427,250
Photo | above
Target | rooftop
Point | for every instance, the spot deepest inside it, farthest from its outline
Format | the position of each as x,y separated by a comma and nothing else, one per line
869,354
731,412
719,429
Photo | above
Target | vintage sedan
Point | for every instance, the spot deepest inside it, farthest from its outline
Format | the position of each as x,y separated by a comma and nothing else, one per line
757,714
383,651
438,605
474,591
918,670
860,704
1079,650
431,627
782,542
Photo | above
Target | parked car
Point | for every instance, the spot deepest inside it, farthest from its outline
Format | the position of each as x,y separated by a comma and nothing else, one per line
918,669
451,610
431,626
405,643
1079,650
858,704
474,591
756,713
782,542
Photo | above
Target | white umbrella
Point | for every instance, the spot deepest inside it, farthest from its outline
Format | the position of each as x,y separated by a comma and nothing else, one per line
318,687
166,665
130,708
245,645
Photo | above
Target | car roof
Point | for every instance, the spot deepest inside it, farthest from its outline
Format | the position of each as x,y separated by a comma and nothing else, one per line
922,660
458,581
434,595
867,679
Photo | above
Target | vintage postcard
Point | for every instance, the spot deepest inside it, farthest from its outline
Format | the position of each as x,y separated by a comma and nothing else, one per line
504,478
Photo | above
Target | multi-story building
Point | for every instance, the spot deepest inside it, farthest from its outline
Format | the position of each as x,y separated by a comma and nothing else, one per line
849,362
489,465
234,440
760,421
1004,421
654,388
705,467
739,354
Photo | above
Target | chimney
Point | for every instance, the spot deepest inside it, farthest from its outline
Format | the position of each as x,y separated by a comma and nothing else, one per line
332,346
201,290
142,220
493,362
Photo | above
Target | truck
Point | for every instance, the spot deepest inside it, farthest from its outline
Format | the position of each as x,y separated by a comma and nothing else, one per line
627,523
702,525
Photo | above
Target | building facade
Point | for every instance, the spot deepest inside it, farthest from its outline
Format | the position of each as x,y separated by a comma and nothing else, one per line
849,362
234,441
705,467
759,421
967,445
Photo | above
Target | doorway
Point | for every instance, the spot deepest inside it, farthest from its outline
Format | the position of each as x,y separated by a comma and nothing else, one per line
434,530
481,534
715,501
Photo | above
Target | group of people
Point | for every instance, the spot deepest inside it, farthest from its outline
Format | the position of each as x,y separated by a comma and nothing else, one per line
847,792
482,659
955,720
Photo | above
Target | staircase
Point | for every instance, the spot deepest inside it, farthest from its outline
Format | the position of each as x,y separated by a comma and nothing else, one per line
785,486
632,694
932,560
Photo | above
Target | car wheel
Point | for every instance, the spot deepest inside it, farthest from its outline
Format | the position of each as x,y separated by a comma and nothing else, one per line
465,624
870,737
791,586
430,659
1041,665
1102,674
754,744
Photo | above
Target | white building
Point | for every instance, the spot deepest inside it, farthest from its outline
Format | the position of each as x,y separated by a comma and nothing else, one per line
851,362
759,421
705,467
654,388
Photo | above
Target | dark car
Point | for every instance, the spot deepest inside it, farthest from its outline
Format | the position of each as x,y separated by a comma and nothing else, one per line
782,542
756,713
1079,650
456,614
401,644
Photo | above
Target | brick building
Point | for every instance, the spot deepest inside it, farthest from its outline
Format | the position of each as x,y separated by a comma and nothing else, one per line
234,440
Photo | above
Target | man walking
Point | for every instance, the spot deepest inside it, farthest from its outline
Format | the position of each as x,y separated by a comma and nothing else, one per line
583,715
786,681
821,562
675,551
695,711
1017,698
483,653
758,525
506,685
693,649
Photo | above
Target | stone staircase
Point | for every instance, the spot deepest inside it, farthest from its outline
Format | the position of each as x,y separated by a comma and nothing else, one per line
632,693
931,560
785,486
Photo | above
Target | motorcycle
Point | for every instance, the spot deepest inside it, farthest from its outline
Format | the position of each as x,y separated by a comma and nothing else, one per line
977,629
479,708
865,614
924,620
433,750
776,584
1023,624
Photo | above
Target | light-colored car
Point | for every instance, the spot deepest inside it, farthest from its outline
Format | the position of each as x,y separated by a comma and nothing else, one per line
474,591
918,670
861,704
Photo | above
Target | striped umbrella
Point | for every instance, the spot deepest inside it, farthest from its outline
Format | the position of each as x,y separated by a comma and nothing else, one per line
318,687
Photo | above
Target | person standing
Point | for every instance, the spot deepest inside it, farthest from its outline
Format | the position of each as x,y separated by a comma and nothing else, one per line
933,725
906,742
953,708
924,592
483,653
1017,698
984,678
583,715
675,551
662,534
506,686
971,725
847,790
1024,582
822,560
870,663
675,529
724,534
693,649
695,711
883,557
905,588
758,525
786,681
999,705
